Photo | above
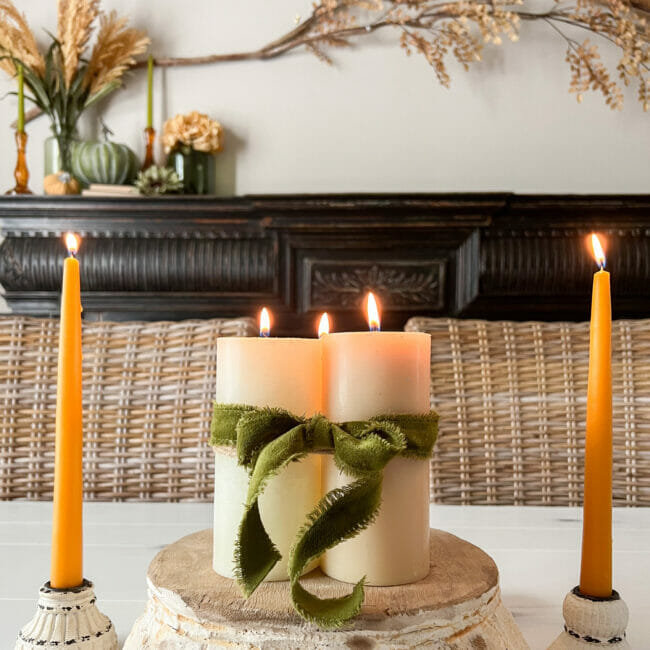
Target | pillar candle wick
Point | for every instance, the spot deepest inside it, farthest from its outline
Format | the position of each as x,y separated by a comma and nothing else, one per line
373,313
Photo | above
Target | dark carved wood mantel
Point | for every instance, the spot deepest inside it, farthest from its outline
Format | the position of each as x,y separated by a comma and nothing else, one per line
475,255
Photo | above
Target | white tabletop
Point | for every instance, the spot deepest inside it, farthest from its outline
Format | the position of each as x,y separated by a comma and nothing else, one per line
536,550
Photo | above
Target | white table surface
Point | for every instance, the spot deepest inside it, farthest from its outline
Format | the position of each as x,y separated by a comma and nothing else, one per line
536,550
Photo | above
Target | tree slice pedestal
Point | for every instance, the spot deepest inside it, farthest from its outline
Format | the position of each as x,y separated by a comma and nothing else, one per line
457,606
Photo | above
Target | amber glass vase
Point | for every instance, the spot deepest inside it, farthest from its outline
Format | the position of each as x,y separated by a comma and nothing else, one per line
149,140
21,173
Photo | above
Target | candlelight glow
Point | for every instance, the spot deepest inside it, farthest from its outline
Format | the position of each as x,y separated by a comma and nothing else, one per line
324,325
373,313
265,322
599,254
72,242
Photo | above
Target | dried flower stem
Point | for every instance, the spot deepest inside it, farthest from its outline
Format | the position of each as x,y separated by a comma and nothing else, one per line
437,30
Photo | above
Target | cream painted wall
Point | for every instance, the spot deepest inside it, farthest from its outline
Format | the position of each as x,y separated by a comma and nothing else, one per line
374,122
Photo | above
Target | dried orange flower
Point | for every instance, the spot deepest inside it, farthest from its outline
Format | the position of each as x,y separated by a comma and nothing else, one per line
195,130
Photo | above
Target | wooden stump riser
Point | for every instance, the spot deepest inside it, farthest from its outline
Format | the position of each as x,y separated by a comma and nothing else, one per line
454,629
457,607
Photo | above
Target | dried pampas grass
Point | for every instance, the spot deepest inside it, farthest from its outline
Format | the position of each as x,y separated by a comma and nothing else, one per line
17,41
73,82
63,82
75,20
114,52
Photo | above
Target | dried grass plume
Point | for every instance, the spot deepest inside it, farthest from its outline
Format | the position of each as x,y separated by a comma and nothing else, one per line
17,40
64,80
114,52
75,23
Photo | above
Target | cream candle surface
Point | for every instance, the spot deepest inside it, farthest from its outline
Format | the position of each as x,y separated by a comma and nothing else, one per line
381,373
274,372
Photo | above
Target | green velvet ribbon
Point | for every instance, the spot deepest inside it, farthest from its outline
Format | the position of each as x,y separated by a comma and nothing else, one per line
267,440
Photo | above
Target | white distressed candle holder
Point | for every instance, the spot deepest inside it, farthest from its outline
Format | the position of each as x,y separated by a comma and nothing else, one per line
67,618
592,622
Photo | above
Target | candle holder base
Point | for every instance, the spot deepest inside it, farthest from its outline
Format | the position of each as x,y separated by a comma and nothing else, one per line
67,618
592,622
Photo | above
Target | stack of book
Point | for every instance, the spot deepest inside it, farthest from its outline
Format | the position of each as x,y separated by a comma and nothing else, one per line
100,189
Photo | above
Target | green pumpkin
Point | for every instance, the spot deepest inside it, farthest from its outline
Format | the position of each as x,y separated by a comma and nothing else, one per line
104,162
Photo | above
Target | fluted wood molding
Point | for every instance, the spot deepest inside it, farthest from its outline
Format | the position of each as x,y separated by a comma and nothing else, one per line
484,255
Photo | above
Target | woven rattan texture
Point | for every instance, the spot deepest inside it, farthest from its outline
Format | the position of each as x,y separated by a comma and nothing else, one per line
512,403
511,398
148,389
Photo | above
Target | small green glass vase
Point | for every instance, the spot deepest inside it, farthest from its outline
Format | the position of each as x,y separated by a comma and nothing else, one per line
196,170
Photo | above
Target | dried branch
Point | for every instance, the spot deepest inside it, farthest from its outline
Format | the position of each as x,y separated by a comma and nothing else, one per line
460,29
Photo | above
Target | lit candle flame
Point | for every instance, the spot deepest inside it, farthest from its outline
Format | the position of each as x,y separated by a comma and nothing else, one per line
599,254
324,325
373,313
265,322
72,242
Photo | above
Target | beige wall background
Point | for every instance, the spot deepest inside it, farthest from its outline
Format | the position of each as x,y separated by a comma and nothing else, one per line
376,121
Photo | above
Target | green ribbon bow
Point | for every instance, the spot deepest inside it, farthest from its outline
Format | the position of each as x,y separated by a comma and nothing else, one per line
269,439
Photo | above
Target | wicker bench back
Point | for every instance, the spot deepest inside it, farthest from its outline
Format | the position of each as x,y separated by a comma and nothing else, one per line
512,401
511,398
148,389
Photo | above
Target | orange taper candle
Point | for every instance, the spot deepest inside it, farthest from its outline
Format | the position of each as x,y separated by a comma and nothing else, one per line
67,553
596,570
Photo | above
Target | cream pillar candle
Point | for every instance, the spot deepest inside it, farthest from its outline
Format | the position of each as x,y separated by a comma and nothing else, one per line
273,372
368,374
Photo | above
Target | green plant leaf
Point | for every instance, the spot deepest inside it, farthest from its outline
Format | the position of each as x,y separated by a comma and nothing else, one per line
76,87
49,64
38,88
103,92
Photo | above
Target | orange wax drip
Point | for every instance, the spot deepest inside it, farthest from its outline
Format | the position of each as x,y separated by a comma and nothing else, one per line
67,551
150,139
596,569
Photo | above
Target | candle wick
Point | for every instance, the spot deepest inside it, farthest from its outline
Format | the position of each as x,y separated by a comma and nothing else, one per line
72,254
374,328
